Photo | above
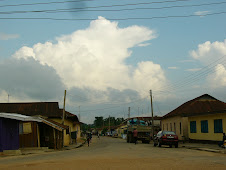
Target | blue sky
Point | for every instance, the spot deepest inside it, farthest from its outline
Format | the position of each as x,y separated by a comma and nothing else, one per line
108,58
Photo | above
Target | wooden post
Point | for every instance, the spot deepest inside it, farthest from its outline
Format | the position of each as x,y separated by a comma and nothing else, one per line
63,118
152,116
54,138
38,135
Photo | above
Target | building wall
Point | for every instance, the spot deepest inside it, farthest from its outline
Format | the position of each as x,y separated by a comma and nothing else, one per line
9,132
29,136
72,128
210,135
177,124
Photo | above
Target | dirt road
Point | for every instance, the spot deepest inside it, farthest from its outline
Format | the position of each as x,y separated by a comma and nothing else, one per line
111,153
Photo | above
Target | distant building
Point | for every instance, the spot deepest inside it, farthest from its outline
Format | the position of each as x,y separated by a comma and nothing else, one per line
20,131
49,110
209,123
190,116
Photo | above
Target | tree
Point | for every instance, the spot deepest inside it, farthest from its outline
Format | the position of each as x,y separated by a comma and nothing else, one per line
98,122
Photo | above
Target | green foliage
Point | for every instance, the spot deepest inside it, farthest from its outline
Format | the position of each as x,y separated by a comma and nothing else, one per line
99,122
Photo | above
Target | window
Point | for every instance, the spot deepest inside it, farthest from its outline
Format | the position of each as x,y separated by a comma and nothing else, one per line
167,126
218,128
163,127
21,128
192,126
171,127
180,127
175,127
204,126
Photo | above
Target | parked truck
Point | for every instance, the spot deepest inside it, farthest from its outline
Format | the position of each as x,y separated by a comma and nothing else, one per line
142,128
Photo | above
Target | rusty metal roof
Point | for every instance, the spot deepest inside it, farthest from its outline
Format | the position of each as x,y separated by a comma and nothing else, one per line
204,104
55,124
48,109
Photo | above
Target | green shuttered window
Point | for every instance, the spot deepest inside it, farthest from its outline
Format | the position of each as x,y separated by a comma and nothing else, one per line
204,126
218,128
192,126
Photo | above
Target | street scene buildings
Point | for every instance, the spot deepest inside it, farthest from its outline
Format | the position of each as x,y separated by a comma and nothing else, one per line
112,84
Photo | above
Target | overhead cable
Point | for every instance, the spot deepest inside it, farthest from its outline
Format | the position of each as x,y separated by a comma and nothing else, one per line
110,10
117,19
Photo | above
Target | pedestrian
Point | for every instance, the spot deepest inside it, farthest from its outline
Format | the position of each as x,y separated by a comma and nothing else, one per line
221,143
98,135
88,138
135,134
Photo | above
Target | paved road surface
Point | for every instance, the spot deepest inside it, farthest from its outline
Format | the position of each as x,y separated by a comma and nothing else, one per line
112,153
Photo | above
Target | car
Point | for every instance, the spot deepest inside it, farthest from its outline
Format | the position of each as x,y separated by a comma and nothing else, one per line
166,138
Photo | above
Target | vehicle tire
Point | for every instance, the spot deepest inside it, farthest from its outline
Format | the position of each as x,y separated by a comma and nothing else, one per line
127,139
159,144
170,146
176,145
155,144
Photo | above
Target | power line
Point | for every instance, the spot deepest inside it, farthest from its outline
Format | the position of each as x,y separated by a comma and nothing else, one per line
193,79
208,67
42,3
103,6
119,105
110,10
119,19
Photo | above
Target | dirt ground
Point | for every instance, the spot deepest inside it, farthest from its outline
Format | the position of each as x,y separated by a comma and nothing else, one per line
112,153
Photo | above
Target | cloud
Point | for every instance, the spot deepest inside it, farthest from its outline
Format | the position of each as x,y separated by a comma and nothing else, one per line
4,36
218,78
94,58
201,13
193,69
209,52
213,56
173,68
29,80
144,44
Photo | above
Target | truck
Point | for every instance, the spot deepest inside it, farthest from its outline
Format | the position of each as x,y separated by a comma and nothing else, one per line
142,128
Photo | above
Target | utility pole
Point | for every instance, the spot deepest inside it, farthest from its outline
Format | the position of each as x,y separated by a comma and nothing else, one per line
79,113
63,116
152,115
128,112
109,125
64,107
8,98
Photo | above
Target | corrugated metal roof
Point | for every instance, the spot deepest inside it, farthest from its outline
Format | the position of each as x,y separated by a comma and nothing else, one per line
54,124
204,104
20,117
48,109
25,118
31,109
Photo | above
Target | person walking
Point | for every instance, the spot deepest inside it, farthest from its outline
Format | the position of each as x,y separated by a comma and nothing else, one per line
221,143
88,138
135,134
98,135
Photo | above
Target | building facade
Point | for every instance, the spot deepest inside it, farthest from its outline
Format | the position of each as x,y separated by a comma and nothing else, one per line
202,118
209,127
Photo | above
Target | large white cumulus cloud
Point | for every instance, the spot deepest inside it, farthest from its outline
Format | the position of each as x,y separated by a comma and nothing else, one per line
95,57
213,55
